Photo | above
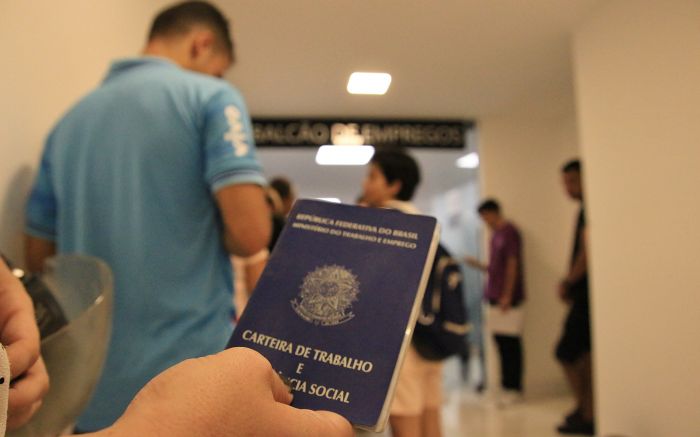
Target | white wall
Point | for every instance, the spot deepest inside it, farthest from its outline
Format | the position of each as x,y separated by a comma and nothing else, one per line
53,53
638,87
521,154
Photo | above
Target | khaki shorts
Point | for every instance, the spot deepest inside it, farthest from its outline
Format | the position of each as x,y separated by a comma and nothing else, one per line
419,386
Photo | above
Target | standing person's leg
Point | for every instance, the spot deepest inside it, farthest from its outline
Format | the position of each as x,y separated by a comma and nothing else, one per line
511,369
573,352
464,357
567,353
405,426
502,344
513,363
431,417
482,365
431,423
581,420
572,376
586,378
405,414
511,356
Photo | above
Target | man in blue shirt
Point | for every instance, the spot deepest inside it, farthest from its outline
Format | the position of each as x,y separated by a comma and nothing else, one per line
155,172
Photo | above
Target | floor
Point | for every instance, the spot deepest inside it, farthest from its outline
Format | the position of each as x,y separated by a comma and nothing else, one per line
465,414
468,414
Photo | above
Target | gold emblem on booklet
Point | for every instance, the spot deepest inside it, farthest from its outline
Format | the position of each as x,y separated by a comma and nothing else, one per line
327,295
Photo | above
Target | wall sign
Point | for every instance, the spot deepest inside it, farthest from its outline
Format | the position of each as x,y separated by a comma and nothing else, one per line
309,132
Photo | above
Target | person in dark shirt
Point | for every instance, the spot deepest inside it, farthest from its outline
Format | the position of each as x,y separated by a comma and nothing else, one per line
504,291
286,192
574,348
281,197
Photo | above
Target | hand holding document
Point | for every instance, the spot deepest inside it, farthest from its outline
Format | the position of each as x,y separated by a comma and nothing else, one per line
234,392
336,305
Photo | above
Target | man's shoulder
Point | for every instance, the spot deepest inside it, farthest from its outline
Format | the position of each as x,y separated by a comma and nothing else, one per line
511,229
209,86
157,72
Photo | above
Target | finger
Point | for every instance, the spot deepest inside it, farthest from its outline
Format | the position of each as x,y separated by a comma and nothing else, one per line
22,355
281,392
19,418
19,333
250,360
29,389
308,423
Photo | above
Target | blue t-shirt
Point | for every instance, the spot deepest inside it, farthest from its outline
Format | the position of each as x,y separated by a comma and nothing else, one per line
129,175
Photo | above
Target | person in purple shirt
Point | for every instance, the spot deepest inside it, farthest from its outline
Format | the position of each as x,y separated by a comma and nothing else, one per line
504,292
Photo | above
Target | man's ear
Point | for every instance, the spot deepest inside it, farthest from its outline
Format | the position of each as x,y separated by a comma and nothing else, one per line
395,188
202,43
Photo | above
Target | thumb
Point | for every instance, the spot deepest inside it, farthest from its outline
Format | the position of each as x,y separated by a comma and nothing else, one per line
309,423
335,422
281,392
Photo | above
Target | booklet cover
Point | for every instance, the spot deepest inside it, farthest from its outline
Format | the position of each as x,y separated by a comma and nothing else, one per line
335,308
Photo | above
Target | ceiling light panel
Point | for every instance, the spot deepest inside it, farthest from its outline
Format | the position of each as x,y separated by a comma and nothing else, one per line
369,83
344,155
470,160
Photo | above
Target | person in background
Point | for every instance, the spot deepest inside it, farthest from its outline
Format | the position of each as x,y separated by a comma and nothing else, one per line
281,197
505,292
246,273
247,270
235,392
279,212
155,172
574,348
391,181
286,193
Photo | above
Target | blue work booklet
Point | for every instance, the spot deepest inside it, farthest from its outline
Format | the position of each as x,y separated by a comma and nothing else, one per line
335,308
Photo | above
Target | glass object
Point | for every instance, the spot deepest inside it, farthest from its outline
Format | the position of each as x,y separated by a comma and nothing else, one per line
74,355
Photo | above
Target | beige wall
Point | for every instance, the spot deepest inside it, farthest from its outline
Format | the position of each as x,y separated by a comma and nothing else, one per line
521,154
54,53
638,88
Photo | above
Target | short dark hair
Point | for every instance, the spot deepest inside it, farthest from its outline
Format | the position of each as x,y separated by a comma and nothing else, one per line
489,205
180,18
282,186
573,165
396,164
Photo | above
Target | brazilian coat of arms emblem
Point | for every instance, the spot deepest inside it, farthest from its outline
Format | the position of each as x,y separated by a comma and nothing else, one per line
327,295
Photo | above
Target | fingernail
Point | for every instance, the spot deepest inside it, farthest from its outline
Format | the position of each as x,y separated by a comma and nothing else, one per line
286,381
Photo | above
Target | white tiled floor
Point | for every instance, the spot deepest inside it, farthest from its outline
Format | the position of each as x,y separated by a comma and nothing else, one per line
467,414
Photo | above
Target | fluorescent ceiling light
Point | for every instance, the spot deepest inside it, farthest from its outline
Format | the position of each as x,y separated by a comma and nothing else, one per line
369,83
470,160
329,199
344,155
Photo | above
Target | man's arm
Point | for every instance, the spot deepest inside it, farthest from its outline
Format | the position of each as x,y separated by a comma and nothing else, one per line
580,266
578,269
506,299
36,251
475,263
246,218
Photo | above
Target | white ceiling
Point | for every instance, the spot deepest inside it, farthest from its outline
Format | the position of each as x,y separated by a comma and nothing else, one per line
451,59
